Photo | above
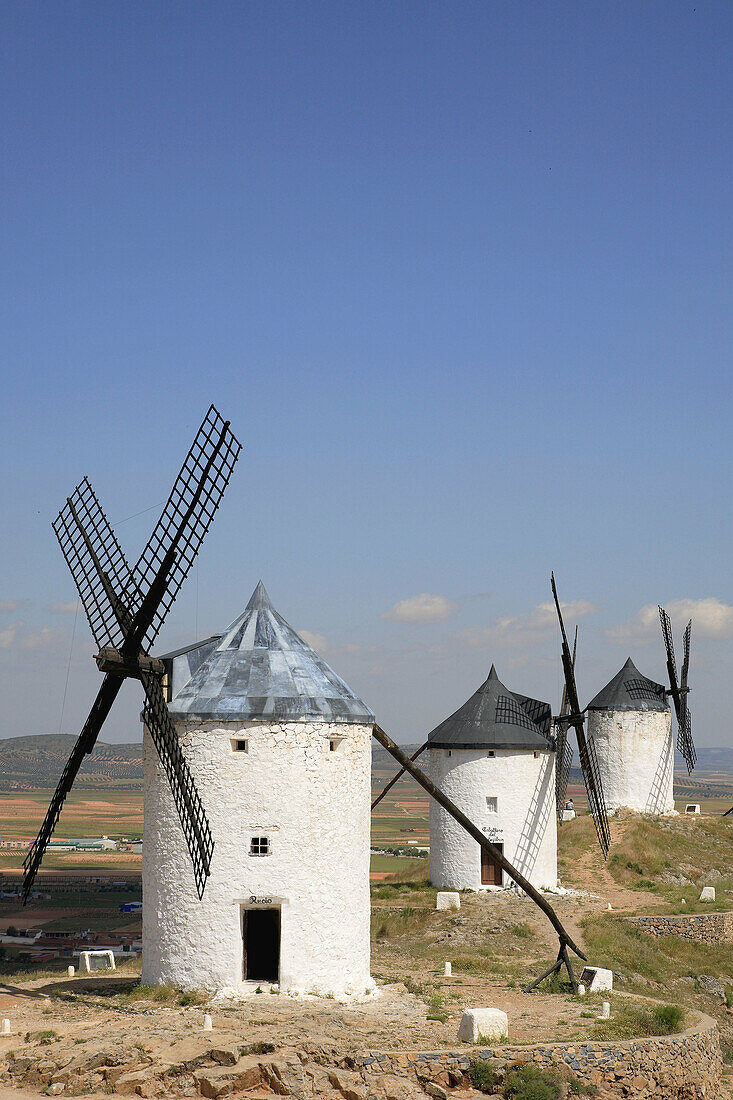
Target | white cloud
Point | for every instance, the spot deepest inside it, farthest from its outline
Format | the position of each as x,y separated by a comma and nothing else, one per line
315,641
425,608
8,635
711,618
8,606
15,636
321,644
39,639
65,608
514,631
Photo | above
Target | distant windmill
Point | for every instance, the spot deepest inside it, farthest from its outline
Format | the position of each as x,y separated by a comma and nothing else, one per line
586,748
126,609
679,689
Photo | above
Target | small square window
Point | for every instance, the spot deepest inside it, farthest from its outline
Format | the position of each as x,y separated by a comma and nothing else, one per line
332,745
448,752
259,846
240,746
492,803
491,753
536,754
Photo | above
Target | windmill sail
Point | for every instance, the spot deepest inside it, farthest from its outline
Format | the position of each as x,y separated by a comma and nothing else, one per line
679,690
126,610
563,748
84,744
586,748
97,564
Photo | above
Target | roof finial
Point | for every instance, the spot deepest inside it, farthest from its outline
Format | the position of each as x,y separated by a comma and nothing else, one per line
259,598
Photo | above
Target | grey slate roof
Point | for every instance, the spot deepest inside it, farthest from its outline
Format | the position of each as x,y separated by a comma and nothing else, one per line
496,718
260,669
629,690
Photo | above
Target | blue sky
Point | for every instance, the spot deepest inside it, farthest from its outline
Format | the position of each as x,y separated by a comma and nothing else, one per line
459,275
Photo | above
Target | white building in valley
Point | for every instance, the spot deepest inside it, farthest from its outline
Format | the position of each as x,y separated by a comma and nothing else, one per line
495,758
630,723
280,750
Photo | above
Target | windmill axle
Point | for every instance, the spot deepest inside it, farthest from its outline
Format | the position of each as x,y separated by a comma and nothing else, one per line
111,660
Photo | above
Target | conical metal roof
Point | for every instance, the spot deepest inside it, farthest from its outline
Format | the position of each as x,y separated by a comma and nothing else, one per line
495,718
629,690
262,670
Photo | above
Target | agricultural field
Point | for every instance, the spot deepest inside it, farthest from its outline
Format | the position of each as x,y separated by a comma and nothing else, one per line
85,813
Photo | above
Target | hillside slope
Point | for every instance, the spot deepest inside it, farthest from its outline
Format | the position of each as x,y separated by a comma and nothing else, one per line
27,763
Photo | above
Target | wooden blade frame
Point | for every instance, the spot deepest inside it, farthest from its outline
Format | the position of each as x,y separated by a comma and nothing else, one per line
679,690
586,748
563,748
191,813
566,941
127,608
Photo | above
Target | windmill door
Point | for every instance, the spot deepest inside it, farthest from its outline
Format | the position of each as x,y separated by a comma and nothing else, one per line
491,873
261,945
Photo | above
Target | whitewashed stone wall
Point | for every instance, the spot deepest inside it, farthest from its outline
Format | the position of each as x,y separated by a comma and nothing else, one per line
525,822
635,758
313,805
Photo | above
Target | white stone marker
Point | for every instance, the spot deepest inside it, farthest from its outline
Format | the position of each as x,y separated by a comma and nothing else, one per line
208,1022
683,902
448,899
597,979
692,808
609,907
605,1010
70,970
708,893
85,960
447,970
581,989
484,1024
5,1027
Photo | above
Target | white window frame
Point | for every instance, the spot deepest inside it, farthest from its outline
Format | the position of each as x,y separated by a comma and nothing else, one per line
260,846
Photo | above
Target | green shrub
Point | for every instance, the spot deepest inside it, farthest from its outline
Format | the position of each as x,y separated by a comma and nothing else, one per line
671,1018
483,1076
532,1083
259,1048
436,1006
636,1020
191,997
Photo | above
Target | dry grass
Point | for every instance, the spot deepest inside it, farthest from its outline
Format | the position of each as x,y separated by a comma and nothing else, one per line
636,957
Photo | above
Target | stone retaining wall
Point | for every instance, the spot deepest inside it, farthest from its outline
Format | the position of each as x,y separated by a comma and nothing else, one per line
686,1066
710,928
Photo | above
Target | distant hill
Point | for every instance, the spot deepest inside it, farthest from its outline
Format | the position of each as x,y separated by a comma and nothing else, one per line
27,763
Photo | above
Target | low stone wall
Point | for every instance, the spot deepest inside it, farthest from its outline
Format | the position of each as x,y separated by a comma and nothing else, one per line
687,1066
711,928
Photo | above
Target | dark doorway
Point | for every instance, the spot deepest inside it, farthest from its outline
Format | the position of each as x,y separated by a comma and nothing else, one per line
261,941
491,873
